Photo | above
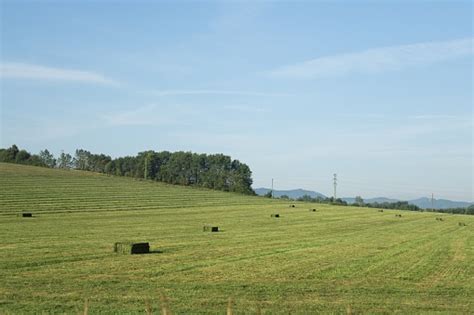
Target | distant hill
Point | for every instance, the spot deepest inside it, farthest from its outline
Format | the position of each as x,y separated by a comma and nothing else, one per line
293,194
371,200
424,203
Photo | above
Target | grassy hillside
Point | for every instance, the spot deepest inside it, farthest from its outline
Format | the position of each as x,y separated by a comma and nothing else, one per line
303,262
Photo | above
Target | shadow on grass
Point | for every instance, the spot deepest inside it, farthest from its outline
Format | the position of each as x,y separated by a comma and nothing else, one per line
155,251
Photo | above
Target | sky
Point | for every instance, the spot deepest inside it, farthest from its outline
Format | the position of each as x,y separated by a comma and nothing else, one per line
379,92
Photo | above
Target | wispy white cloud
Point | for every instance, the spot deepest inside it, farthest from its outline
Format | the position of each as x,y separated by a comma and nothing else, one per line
173,114
441,117
377,59
38,72
246,108
141,116
214,92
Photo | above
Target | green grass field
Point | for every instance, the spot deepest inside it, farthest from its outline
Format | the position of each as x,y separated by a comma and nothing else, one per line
330,261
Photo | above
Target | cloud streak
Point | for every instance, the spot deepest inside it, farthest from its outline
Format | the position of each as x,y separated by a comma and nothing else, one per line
175,114
377,60
37,72
141,116
214,92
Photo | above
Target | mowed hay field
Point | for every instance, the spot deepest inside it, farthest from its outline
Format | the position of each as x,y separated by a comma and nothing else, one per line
335,260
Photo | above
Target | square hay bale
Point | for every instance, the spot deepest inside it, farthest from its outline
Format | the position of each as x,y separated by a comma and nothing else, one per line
131,248
210,228
276,215
27,215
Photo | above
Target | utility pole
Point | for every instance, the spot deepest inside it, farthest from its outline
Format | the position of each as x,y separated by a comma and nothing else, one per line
432,202
272,187
335,185
146,168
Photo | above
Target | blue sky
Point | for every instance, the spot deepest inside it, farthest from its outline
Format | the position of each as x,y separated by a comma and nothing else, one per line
378,92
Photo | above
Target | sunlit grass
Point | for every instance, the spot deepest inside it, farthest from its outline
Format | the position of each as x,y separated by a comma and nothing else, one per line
333,260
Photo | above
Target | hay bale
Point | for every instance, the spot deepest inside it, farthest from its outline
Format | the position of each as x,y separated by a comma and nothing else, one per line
398,215
380,210
131,248
462,224
27,215
312,210
292,206
210,228
275,215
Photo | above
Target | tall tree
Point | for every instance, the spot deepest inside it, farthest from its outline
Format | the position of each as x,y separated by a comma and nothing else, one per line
81,160
9,155
47,158
359,201
65,160
22,157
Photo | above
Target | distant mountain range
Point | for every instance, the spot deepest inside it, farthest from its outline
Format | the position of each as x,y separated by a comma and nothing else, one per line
424,203
371,200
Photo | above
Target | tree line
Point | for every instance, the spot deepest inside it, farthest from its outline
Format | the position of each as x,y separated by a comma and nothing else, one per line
214,171
318,199
404,205
359,202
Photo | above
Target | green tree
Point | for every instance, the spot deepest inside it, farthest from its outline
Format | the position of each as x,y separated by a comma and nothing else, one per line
65,160
470,210
81,160
359,201
22,157
47,158
9,155
306,198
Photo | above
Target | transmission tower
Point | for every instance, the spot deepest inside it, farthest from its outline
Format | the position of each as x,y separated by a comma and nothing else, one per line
335,186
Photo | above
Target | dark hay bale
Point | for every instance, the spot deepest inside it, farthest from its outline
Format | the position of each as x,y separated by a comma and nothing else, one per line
292,206
27,215
276,215
131,248
210,228
380,210
312,210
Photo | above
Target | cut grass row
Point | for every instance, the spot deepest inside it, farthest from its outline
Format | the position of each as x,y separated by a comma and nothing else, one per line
303,262
83,191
